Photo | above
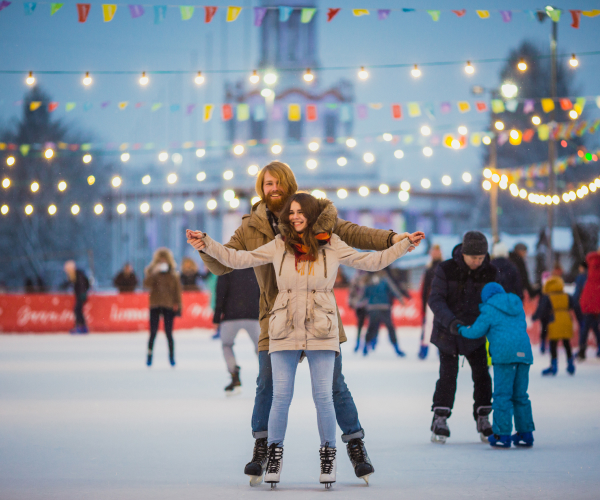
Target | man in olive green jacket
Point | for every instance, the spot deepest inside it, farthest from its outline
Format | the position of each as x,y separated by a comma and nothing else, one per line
275,183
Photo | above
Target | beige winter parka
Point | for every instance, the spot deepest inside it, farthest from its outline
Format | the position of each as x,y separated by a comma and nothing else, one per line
304,314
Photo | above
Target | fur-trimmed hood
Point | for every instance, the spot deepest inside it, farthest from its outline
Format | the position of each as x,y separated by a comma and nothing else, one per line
325,222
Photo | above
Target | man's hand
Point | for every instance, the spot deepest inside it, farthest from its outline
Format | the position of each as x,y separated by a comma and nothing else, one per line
454,327
414,238
195,238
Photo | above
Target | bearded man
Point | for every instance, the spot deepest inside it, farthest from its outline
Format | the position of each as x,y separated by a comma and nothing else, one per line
275,184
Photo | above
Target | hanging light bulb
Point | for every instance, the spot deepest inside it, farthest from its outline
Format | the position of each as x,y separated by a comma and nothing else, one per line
199,78
469,69
270,78
144,79
308,76
499,125
522,66
536,120
573,61
30,80
87,79
363,74
416,72
254,78
573,114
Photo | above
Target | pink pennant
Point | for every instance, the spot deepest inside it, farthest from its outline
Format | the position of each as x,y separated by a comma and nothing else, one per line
445,107
528,106
189,109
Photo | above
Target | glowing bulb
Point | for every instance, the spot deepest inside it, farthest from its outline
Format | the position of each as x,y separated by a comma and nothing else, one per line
363,74
30,80
573,61
499,125
62,185
317,193
276,149
266,93
87,79
6,183
487,173
75,209
270,78
121,208
91,179
144,79
177,158
342,193
188,205
384,189
462,130
144,207
167,206
555,199
163,156
446,180
387,137
469,69
253,170
172,178
200,176
199,80
496,178
10,161
98,209
572,195
425,183
363,191
573,114
29,209
416,72
49,153
455,144
52,209
522,65
350,142
403,196
509,90
368,157
486,140
523,194
229,195
211,204
536,120
566,197
200,152
146,179
34,187
234,203
427,151
313,146
399,153
228,175
238,149
487,185
425,130
4,209
311,164
87,158
405,186
116,181
254,78
308,76
342,161
514,134
255,200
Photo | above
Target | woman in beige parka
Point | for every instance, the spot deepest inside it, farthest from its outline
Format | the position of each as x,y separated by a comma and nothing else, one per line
303,320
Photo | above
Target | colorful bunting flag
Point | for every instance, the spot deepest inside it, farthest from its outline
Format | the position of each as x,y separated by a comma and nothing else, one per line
136,11
87,106
243,112
396,111
476,139
307,14
528,106
383,14
512,105
187,11
346,113
481,106
160,13
311,113
375,105
553,14
565,104
294,112
528,135
445,107
331,13
52,106
591,13
105,104
208,110
547,105
83,9
259,15
108,12
209,13
226,112
362,112
260,113
464,106
435,14
156,106
460,13
33,105
277,112
408,10
506,15
579,105
29,8
232,13
543,131
55,7
414,109
515,138
429,109
285,13
497,106
483,14
70,106
138,105
4,4
190,109
576,16
360,12
24,148
174,108
123,104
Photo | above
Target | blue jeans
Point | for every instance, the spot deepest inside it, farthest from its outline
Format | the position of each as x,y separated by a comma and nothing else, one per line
510,397
284,365
346,413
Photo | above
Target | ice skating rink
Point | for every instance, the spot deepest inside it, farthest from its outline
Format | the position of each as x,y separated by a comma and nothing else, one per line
82,417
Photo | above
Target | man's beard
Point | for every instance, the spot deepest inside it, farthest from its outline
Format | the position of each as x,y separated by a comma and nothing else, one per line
275,205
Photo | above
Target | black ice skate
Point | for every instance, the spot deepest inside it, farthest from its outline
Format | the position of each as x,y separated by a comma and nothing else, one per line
483,423
360,459
256,467
274,464
439,427
236,385
328,466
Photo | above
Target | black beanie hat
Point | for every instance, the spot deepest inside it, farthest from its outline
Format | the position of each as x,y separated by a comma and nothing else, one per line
474,243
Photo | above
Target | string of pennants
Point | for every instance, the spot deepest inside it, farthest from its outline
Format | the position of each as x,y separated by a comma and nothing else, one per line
306,13
557,132
295,112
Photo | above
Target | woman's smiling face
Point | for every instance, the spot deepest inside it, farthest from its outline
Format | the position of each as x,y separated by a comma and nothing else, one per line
297,219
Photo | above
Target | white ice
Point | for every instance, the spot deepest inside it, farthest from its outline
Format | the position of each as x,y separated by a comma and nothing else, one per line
82,417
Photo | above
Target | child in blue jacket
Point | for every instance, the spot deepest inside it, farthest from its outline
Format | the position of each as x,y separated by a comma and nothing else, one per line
502,320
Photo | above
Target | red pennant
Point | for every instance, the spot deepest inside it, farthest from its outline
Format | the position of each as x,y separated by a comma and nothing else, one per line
460,13
481,106
52,106
311,113
227,112
528,134
565,103
396,111
576,15
83,9
209,13
331,13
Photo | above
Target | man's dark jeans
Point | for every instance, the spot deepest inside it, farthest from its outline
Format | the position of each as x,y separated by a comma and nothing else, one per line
345,409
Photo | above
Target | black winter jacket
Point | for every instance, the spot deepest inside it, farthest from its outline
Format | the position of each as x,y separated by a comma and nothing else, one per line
456,294
518,261
508,276
426,288
237,296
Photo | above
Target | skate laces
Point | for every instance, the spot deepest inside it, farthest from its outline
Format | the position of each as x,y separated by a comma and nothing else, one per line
260,451
356,450
275,456
327,458
483,422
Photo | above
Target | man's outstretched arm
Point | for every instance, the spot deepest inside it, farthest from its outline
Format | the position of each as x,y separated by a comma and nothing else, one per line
237,242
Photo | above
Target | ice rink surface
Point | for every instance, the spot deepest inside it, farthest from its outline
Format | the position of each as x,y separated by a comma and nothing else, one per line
82,417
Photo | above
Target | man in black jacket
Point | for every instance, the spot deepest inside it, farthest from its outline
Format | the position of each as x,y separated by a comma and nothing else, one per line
81,285
508,274
517,257
237,308
454,299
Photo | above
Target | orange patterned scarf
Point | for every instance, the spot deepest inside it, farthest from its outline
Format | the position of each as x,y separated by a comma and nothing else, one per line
301,251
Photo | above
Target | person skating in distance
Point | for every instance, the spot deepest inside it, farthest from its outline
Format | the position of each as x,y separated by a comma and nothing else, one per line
502,321
304,320
275,183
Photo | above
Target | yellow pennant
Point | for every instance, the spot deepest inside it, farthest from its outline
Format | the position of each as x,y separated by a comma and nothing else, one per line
108,11
414,110
208,110
123,105
547,105
33,105
124,146
543,132
375,105
360,12
448,138
591,13
476,139
233,13
464,106
483,14
294,113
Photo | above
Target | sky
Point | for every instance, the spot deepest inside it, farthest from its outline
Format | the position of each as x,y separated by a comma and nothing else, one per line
41,42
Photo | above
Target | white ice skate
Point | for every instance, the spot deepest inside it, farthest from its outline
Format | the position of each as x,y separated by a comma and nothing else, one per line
328,466
274,464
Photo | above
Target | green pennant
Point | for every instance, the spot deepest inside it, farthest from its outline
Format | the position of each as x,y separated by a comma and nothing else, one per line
554,14
187,12
435,14
55,7
306,15
24,148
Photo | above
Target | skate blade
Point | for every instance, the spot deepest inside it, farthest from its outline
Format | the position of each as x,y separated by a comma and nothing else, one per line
273,484
327,485
234,392
365,478
484,438
256,480
435,438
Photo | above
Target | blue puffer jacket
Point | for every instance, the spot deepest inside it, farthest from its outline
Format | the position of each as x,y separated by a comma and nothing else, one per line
502,319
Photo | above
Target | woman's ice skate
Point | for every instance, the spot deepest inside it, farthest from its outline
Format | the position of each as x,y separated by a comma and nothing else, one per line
328,466
274,463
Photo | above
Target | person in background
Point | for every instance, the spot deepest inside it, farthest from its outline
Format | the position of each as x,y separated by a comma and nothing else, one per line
518,257
590,298
553,308
236,308
190,275
40,285
379,296
508,273
357,301
162,279
81,285
29,286
435,254
126,280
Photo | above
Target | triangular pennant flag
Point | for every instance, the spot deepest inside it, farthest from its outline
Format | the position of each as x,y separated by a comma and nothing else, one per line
4,4
362,111
136,10
576,16
460,13
515,138
123,105
528,134
360,12
187,11
24,148
226,112
174,108
277,112
408,139
414,109
52,106
209,13
553,14
260,113
528,106
108,11
311,113
579,104
481,106
242,112
476,139
285,13
565,104
543,131
375,105
105,104
55,7
497,106
29,8
189,109
139,105
445,107
307,14
70,106
506,15
83,9
160,13
294,112
464,106
429,109
502,138
396,111
483,14
259,15
447,140
598,101
156,106
232,13
591,13
512,105
87,106
33,105
547,105
435,14
208,110
331,13
383,14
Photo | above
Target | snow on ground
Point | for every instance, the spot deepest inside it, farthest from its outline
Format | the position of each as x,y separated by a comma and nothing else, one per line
82,417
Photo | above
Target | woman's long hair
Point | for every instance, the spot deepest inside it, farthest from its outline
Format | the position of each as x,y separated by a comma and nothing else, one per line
311,210
163,254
